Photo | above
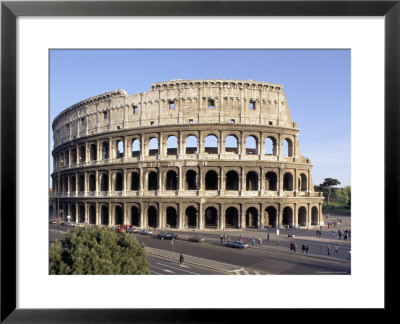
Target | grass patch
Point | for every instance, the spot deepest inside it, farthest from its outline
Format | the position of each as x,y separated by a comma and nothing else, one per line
336,205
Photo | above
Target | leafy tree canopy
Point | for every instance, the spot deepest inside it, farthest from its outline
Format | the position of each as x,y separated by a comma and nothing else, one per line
91,250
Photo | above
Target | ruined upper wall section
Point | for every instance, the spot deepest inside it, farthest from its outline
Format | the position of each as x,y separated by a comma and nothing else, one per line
176,102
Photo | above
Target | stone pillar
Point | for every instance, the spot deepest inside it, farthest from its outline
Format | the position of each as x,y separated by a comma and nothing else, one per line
279,216
125,220
295,216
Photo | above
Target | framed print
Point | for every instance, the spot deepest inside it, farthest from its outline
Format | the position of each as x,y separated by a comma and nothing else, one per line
36,34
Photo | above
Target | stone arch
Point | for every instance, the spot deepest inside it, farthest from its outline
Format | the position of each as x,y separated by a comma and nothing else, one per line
153,146
81,183
191,145
172,145
211,144
92,214
92,182
287,146
211,217
288,182
287,216
104,215
152,217
251,145
105,150
314,216
302,216
135,147
73,184
191,180
119,216
231,144
135,181
171,180
211,180
93,152
270,217
81,214
191,217
302,182
271,181
135,216
74,156
82,153
232,180
251,181
119,183
171,217
119,148
252,217
104,181
152,180
270,145
231,217
72,210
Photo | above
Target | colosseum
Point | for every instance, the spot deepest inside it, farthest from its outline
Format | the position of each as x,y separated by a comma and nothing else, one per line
188,154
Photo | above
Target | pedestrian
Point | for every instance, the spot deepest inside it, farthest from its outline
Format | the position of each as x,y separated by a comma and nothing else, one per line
291,246
349,255
328,225
303,248
306,249
181,259
320,233
259,240
294,247
240,238
329,250
268,237
221,237
224,238
333,234
336,249
253,241
340,234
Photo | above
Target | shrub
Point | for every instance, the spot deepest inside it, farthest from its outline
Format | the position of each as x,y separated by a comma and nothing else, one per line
91,250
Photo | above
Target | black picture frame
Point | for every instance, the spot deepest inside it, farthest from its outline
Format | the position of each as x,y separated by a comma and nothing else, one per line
10,10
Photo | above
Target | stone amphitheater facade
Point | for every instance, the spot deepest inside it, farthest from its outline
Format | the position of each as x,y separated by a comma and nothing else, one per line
188,154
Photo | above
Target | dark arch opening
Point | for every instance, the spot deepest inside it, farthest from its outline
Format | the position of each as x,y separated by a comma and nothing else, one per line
81,214
82,154
92,182
93,152
119,217
191,217
211,217
73,184
135,180
252,217
118,182
172,217
232,218
191,180
104,215
81,183
152,216
271,181
73,213
135,216
105,151
232,180
288,182
152,182
314,216
252,181
287,216
303,182
171,182
104,181
302,216
211,180
92,214
287,147
270,217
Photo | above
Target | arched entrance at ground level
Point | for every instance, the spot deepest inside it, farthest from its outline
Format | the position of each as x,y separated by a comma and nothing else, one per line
119,217
314,216
231,218
287,216
172,217
252,217
302,216
92,214
270,218
135,216
191,217
211,217
73,213
152,216
81,214
104,215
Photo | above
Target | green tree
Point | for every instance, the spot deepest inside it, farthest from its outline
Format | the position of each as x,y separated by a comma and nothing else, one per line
327,187
91,250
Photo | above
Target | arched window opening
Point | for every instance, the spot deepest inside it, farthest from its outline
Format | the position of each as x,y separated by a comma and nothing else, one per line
66,184
270,146
73,156
66,160
302,216
231,144
211,180
81,214
191,145
82,154
172,145
191,217
252,181
73,184
120,148
152,217
287,217
270,218
153,146
232,180
104,181
135,216
211,217
135,181
104,215
191,180
152,182
135,147
92,214
172,217
104,151
93,152
231,218
73,213
171,182
287,147
118,182
288,182
119,215
271,181
252,217
251,145
92,182
303,182
314,216
211,144
81,183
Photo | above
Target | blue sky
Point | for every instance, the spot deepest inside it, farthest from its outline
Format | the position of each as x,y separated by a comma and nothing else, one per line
316,84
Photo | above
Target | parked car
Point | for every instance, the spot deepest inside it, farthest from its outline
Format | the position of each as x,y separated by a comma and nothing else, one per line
70,224
167,236
237,244
52,221
197,239
145,232
63,223
132,229
79,224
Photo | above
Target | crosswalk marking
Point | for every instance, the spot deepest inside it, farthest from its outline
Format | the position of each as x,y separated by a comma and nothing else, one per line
247,272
